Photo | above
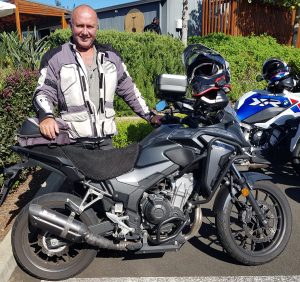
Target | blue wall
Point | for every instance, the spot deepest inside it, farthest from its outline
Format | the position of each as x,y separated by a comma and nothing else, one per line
114,19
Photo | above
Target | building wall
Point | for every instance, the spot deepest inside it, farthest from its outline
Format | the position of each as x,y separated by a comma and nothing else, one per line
173,10
169,11
114,19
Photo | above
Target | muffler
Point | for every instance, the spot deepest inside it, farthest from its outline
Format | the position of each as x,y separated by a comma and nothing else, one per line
57,224
73,230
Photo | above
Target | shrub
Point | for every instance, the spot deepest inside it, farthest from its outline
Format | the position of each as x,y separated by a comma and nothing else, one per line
130,130
246,56
15,106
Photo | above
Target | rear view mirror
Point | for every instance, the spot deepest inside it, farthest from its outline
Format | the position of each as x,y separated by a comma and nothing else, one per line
161,105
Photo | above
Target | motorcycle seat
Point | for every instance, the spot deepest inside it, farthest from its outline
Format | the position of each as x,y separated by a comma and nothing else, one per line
94,164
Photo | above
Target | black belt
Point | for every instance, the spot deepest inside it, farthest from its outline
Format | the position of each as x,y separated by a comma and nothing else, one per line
92,143
86,140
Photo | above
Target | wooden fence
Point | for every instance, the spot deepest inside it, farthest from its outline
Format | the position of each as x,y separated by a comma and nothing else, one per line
242,18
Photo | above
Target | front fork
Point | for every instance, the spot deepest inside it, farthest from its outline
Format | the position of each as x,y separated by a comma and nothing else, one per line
246,190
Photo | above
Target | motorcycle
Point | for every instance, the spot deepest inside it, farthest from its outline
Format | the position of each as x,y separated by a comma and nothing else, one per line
270,118
147,197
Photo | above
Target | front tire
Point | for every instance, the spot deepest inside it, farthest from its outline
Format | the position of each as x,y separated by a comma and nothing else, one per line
46,256
240,232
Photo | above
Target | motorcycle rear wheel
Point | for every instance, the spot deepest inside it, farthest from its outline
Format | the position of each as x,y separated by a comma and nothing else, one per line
30,246
243,236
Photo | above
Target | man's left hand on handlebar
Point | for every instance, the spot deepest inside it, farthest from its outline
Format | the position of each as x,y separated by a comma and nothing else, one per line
155,120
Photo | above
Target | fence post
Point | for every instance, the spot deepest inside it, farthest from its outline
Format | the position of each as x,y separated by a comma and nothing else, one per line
233,17
204,18
298,36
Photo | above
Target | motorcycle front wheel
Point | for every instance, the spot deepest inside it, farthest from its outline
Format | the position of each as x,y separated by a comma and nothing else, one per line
241,233
44,255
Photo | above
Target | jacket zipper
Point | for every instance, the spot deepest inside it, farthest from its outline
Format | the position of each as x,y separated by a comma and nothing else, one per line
87,105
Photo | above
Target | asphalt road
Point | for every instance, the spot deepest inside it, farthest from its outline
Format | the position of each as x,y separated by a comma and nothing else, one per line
201,256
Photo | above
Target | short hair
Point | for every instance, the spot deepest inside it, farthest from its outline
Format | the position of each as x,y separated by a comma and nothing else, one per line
155,19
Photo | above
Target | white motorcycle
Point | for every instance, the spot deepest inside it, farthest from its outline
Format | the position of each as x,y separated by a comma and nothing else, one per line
270,119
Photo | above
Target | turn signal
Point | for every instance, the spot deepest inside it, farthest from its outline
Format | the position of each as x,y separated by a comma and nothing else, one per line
245,192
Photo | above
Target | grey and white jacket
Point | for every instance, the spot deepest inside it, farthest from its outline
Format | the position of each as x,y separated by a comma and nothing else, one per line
63,83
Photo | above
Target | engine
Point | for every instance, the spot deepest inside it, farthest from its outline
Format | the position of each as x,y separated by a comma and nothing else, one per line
163,207
264,138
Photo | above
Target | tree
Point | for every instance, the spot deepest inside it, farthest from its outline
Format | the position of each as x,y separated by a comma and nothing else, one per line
285,3
185,18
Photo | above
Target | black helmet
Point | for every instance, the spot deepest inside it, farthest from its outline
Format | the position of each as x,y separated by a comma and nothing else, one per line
208,74
213,100
275,70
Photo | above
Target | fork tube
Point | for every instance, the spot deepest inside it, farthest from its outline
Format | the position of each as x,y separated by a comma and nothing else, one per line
250,197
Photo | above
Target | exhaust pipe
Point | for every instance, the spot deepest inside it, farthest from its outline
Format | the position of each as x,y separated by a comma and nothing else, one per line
196,224
73,230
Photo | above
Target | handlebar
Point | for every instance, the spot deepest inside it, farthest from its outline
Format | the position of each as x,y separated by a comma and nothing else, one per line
191,121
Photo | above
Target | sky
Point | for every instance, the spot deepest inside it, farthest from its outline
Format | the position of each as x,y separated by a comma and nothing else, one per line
96,4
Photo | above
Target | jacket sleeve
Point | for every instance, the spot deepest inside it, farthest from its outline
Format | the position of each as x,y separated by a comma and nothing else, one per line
45,95
127,89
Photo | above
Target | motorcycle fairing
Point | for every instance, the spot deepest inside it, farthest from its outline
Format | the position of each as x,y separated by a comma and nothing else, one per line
256,101
296,108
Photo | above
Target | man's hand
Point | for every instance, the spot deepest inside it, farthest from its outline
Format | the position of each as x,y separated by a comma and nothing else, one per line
49,128
156,120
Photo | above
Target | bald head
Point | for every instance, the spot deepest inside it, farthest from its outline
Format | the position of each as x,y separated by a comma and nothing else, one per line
84,25
81,9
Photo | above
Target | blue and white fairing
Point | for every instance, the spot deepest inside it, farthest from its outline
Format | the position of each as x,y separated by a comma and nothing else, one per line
263,108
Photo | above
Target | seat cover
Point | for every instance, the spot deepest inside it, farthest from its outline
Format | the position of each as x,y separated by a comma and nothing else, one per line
96,164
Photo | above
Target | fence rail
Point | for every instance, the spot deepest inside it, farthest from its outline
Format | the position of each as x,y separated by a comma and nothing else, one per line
242,18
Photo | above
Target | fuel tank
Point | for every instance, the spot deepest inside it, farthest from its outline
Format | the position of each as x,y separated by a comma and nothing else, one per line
260,106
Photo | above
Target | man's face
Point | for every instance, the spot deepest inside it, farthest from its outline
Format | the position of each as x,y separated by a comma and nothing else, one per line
84,27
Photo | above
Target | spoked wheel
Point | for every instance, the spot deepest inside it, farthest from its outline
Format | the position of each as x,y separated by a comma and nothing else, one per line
241,233
44,255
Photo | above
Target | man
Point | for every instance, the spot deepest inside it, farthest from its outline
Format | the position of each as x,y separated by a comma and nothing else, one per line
80,79
154,26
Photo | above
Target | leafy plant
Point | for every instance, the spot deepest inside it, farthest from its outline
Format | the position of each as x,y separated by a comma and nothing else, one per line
130,131
285,3
26,53
15,106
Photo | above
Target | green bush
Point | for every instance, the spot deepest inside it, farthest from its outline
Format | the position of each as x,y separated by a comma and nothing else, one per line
15,106
146,55
130,130
246,56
